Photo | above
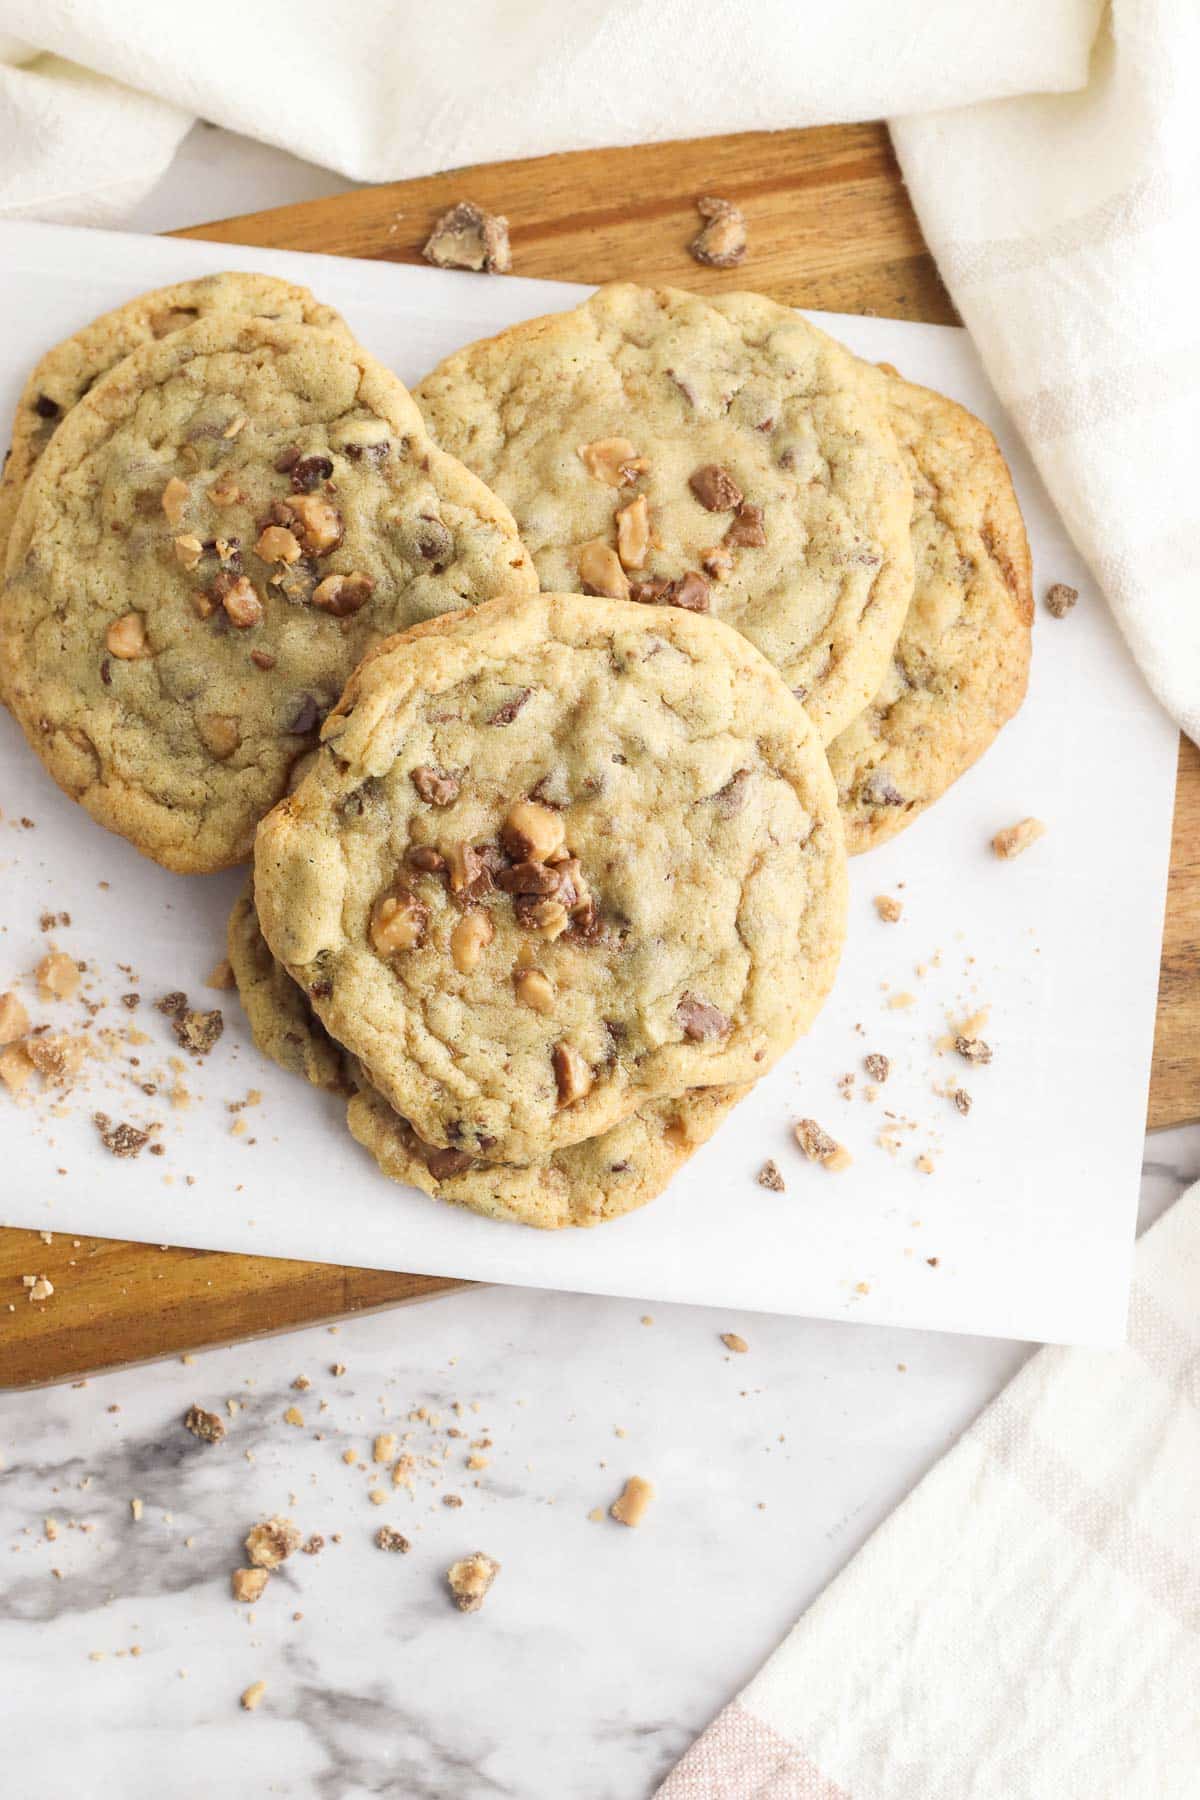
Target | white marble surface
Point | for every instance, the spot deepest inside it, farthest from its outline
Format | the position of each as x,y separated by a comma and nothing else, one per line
599,1654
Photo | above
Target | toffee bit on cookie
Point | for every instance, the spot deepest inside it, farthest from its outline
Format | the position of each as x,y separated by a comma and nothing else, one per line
629,1507
973,1049
272,1542
769,1177
121,1139
614,461
889,910
878,789
633,533
470,1578
1015,839
733,1341
209,1427
962,1100
715,488
198,1031
721,241
747,529
700,1020
1060,599
388,1538
877,1066
439,787
248,1585
505,714
126,638
600,571
466,237
818,1146
572,1076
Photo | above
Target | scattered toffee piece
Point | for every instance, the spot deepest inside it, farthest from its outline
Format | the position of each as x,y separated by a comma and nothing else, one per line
172,1003
121,1139
962,1101
733,1340
198,1031
721,241
1060,599
877,1066
209,1427
818,1146
973,1049
466,237
769,1177
272,1542
470,1578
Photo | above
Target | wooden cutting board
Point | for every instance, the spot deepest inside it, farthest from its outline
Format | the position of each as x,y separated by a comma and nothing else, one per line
830,228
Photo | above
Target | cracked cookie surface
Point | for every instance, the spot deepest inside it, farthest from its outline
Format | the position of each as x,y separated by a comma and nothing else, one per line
217,532
961,662
583,1184
651,438
65,374
558,856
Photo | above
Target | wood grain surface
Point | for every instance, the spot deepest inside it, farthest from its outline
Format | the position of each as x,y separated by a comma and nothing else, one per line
830,228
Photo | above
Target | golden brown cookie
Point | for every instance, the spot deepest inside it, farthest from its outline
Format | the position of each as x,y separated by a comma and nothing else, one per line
216,533
557,857
960,665
719,454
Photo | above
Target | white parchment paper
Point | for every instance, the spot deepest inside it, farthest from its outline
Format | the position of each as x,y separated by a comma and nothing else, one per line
1023,1228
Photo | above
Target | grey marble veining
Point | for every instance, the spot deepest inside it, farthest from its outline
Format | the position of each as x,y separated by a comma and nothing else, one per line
600,1652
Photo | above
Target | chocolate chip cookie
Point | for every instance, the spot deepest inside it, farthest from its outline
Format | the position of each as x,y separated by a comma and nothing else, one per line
557,857
66,373
216,533
720,455
960,665
584,1184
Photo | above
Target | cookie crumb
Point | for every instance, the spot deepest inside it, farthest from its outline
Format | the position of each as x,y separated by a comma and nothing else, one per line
470,1578
769,1177
926,1164
721,241
272,1542
818,1146
198,1031
452,1500
253,1695
388,1538
1060,599
732,1341
889,910
40,1287
14,1020
57,977
314,1545
293,1416
248,1584
220,975
384,1448
466,237
135,1509
1015,839
629,1508
209,1427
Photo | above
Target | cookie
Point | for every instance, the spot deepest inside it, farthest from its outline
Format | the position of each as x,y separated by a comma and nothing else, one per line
281,1020
581,1185
960,665
557,857
718,454
217,532
66,373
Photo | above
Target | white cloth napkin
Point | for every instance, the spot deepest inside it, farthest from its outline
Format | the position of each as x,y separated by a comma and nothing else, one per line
1026,1625
1062,200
